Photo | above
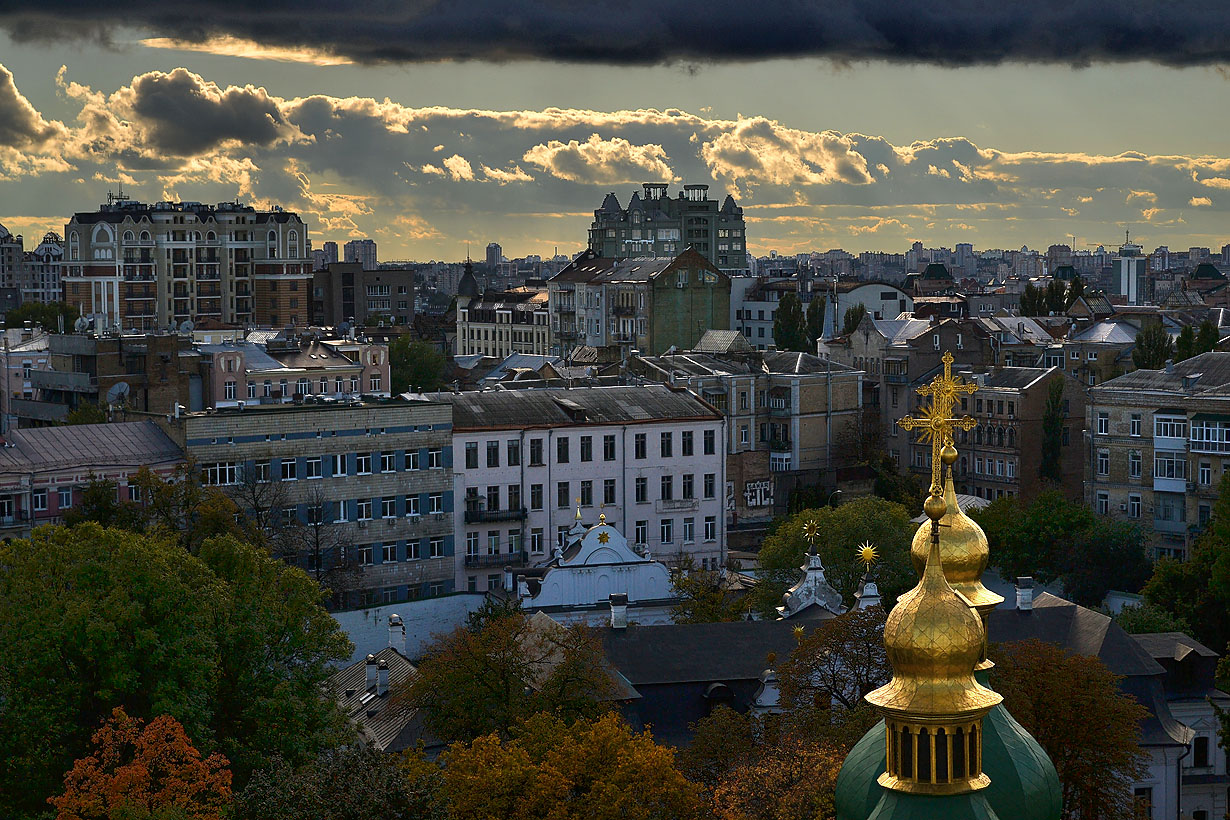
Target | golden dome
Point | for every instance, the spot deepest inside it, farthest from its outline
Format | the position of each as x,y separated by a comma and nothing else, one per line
934,640
963,551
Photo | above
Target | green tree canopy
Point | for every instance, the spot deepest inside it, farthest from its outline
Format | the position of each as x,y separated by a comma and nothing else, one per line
86,413
1143,618
852,319
1185,344
815,320
1052,432
1056,297
1153,347
789,326
1076,289
47,315
1208,337
415,365
704,595
840,530
231,643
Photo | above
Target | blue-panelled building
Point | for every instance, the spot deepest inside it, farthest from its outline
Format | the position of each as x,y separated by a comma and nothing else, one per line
358,493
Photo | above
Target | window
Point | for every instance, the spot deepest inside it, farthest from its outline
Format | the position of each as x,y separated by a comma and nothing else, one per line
388,554
1136,424
710,528
667,445
587,493
536,540
1169,427
64,497
641,532
1103,505
365,555
435,459
514,453
587,448
608,491
1103,424
262,470
668,530
535,496
216,475
363,464
1134,464
514,497
365,509
561,495
689,485
412,506
134,495
710,442
1200,752
1169,465
710,485
412,459
1133,505
388,507
493,454
536,452
1206,473
471,543
312,467
667,489
493,542
374,381
642,490
388,461
689,530
608,448
639,445
471,455
229,389
435,503
1103,462
251,390
337,465
514,541
562,454
743,436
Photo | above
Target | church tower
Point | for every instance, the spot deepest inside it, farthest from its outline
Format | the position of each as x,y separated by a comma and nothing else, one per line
946,747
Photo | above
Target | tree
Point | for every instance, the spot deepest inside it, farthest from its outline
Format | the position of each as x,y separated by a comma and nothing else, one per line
705,597
841,530
789,326
1052,432
1076,289
182,507
478,681
1070,703
595,769
45,315
1056,297
815,320
1208,337
348,783
86,413
1153,347
151,771
230,642
891,484
1185,344
1033,301
840,661
415,365
100,503
853,318
1143,618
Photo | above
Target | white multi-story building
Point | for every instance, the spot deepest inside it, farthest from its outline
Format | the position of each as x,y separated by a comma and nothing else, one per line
528,462
39,280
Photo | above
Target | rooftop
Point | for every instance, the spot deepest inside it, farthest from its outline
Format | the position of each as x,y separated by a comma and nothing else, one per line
383,720
1194,375
557,406
85,446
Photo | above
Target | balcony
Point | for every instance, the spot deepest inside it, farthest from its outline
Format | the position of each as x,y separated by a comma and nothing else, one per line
623,310
40,410
476,516
138,243
896,378
500,560
57,380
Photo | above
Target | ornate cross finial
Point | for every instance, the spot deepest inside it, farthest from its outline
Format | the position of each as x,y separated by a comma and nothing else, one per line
936,421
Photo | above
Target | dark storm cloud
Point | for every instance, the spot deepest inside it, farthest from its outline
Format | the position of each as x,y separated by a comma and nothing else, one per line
945,32
20,124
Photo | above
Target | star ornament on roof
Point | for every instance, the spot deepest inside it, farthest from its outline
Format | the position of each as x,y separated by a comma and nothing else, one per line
867,553
603,537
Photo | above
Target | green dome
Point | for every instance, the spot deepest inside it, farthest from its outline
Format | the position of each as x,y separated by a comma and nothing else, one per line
1024,785
901,806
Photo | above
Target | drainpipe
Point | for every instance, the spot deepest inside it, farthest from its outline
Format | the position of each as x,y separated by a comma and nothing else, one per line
1178,785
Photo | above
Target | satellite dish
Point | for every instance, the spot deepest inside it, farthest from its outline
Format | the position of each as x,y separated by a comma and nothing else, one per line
171,328
118,394
81,324
344,327
186,326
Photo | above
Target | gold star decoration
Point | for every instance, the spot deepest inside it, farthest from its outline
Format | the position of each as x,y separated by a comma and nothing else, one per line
867,553
603,537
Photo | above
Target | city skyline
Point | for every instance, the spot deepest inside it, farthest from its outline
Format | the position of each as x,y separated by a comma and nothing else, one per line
824,147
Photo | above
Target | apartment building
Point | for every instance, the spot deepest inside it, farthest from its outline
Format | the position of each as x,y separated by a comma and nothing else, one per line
501,323
1158,445
346,292
754,301
528,462
361,252
25,350
130,265
39,278
364,488
646,304
656,225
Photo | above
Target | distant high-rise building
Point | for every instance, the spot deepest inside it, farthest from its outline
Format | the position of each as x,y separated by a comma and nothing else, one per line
324,256
362,251
39,280
1129,277
330,249
494,255
655,225
143,266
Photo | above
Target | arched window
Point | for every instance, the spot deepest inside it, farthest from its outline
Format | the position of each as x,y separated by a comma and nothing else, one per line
1001,437
211,236
127,236
74,247
273,236
1011,437
144,236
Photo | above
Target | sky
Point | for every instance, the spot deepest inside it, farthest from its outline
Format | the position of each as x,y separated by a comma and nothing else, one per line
436,128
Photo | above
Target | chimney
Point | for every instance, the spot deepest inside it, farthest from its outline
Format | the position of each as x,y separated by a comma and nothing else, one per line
397,633
371,671
619,610
508,580
382,678
1025,594
1170,365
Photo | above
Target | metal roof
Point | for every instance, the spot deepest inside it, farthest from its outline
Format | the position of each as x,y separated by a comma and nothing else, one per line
85,446
386,721
565,407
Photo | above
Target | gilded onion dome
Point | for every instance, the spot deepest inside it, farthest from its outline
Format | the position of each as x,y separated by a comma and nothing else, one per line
963,546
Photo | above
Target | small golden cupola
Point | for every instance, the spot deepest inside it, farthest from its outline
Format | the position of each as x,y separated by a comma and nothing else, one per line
933,707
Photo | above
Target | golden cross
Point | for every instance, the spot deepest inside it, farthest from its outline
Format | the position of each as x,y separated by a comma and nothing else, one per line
936,421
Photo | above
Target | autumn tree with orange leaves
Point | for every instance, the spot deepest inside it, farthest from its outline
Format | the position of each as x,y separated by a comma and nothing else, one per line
145,772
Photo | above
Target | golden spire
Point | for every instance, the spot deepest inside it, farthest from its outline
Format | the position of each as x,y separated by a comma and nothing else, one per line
578,516
933,707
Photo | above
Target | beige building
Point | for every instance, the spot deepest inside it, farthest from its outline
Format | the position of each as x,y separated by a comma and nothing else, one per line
136,266
502,323
1158,445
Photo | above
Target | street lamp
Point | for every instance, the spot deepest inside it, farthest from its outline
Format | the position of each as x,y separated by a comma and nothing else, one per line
835,494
